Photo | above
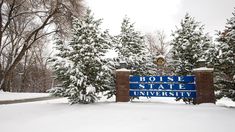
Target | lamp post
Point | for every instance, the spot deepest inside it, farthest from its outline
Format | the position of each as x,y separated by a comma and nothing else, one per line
53,81
123,64
201,63
21,82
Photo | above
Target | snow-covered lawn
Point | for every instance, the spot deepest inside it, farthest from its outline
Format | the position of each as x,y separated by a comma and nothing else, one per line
146,115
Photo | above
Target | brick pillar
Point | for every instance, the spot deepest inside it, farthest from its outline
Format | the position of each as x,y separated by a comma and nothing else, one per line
204,85
122,85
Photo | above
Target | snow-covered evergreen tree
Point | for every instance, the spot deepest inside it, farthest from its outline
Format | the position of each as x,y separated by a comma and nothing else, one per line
87,72
131,47
190,45
61,66
226,67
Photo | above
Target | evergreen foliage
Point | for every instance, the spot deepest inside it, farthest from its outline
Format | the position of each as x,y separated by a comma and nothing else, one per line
131,47
81,67
61,67
226,67
190,45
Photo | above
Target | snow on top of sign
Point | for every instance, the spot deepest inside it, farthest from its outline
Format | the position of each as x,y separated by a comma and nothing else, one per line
203,69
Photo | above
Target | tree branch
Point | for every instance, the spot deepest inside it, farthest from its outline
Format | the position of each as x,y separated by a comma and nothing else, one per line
35,39
26,42
27,12
9,16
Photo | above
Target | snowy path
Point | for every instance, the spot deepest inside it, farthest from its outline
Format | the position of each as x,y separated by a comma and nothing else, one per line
58,116
33,99
12,98
17,96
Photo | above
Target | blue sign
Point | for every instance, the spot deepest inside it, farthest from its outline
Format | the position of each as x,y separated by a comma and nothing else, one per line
185,94
163,86
181,79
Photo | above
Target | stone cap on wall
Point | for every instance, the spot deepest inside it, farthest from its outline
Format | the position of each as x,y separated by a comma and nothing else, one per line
123,69
203,69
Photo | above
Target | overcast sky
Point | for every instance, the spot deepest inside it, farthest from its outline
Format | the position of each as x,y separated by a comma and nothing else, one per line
152,15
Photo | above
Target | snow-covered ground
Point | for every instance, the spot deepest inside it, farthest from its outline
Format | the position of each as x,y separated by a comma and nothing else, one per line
145,115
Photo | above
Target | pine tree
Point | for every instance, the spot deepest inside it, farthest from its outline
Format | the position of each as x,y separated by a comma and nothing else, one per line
61,66
226,67
130,47
190,45
88,72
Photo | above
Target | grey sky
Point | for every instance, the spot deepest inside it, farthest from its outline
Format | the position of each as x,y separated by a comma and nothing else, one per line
152,15
212,13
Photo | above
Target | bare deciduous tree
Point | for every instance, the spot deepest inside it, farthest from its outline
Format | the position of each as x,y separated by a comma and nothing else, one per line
32,74
157,44
24,22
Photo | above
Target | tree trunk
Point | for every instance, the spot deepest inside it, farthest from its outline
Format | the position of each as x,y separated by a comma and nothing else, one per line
4,84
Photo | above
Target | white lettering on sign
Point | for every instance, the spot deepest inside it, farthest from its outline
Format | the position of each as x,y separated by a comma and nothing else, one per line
135,93
141,86
188,94
152,79
180,79
142,79
182,94
164,78
176,93
157,93
163,86
160,86
162,93
170,79
151,93
171,94
181,86
142,93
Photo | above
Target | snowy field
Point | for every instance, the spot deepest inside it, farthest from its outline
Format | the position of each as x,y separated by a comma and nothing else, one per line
145,115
